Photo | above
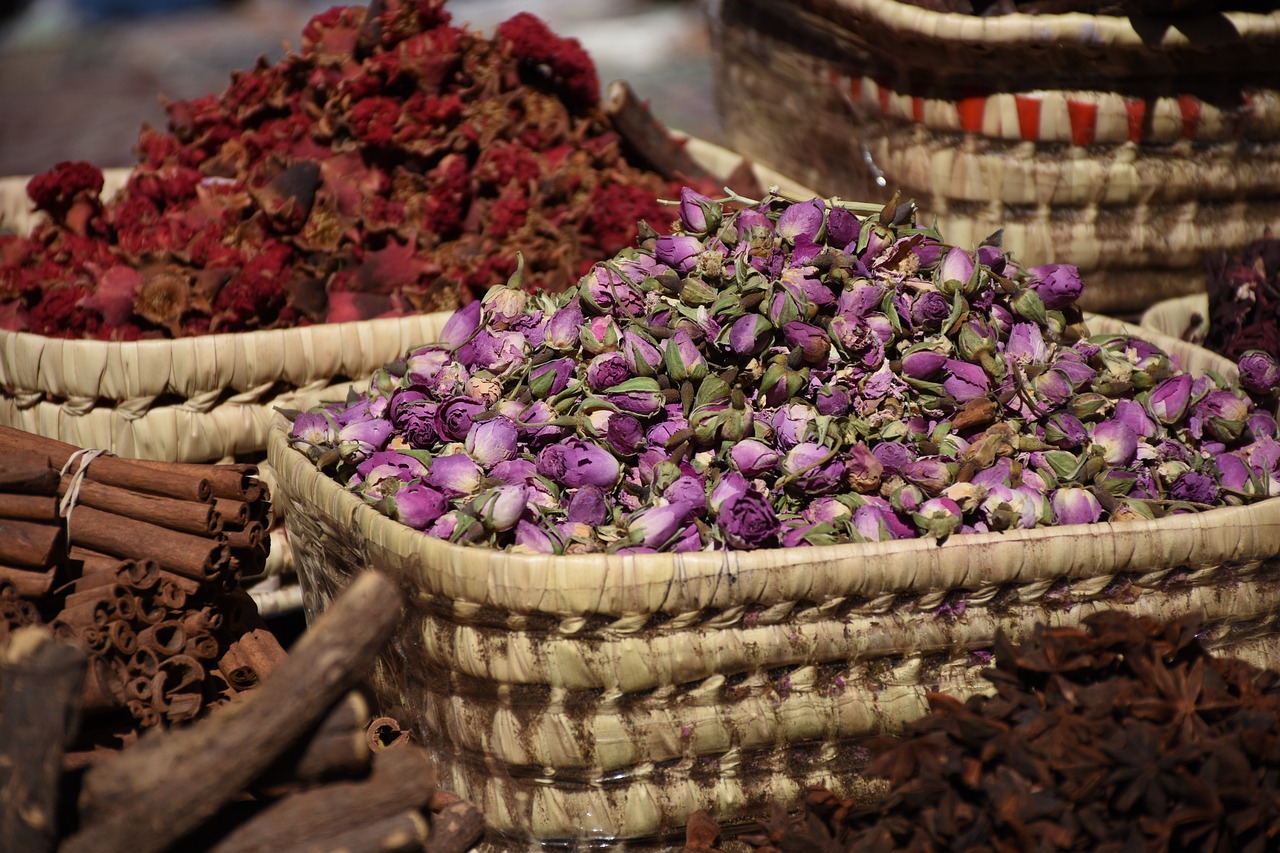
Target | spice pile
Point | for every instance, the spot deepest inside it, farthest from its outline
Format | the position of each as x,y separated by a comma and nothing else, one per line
1244,301
396,163
1127,736
783,374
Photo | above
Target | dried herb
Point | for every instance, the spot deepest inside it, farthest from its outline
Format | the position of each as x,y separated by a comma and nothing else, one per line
1244,300
1092,7
396,163
1126,735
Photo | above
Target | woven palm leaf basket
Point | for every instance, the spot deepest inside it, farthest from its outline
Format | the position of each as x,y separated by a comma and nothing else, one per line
1184,317
206,398
601,700
1124,145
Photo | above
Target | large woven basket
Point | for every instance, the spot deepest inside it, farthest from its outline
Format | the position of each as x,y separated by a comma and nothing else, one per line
606,698
1185,317
206,398
1126,146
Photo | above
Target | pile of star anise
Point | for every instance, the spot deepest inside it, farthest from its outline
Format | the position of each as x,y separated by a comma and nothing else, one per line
1127,736
395,163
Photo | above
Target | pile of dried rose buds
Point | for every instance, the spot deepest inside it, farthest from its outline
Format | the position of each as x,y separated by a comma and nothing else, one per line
396,163
781,374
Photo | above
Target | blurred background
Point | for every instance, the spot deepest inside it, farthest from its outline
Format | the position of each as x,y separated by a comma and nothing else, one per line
78,78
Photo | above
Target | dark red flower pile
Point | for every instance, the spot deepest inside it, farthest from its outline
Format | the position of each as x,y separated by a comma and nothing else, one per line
397,163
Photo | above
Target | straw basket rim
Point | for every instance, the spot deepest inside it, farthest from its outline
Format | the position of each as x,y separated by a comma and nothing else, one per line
1167,314
677,583
1079,29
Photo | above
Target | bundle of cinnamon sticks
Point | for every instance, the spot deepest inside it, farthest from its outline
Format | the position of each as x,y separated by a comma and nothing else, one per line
139,562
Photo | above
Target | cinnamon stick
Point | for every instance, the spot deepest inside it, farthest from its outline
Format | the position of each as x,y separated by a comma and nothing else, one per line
29,507
223,752
385,733
191,556
176,688
251,536
234,481
234,513
122,637
28,583
27,544
401,780
41,681
407,831
26,473
165,638
112,470
201,646
188,516
93,561
251,658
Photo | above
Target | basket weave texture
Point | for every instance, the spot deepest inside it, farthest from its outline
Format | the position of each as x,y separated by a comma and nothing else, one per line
211,397
608,697
1184,317
1129,147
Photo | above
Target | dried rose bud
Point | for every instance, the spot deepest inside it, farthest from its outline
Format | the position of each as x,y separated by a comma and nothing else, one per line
683,359
642,355
1195,487
1259,373
605,370
1065,431
931,473
879,524
1116,442
655,526
922,363
930,309
417,506
492,441
679,253
698,213
588,505
501,507
599,334
639,396
1133,415
1074,505
359,439
832,400
792,423
1222,414
577,463
453,417
812,342
624,434
938,518
385,465
748,335
956,272
801,220
754,458
455,474
461,326
604,291
312,429
1057,285
532,538
813,468
965,381
747,521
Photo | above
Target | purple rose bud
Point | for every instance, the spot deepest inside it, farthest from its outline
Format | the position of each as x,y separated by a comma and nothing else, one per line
1222,414
499,352
930,473
550,378
802,219
930,309
1195,487
640,396
813,469
453,417
965,381
360,439
751,219
624,434
863,470
694,207
731,484
1117,442
562,327
1260,424
604,291
893,455
1074,505
642,355
312,429
1005,509
832,400
455,474
748,335
791,424
747,521
534,539
1057,285
1131,414
682,358
514,472
1053,387
500,508
492,441
418,506
1259,373
599,334
957,266
827,510
386,465
414,417
606,370
1065,431
938,518
754,458
577,463
461,326
688,490
588,505
922,363
1026,344
877,525
1233,472
679,253
656,526
842,227
813,343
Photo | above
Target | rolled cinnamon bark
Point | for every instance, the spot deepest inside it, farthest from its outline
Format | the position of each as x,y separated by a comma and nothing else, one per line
235,481
188,516
191,556
27,544
40,508
166,638
28,583
25,473
234,513
251,658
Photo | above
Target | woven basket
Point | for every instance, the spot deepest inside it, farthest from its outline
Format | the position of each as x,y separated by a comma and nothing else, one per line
1127,147
211,397
606,698
1185,317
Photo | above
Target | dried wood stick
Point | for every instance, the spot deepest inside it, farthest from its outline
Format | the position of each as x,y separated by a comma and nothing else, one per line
455,829
41,680
336,748
225,751
403,779
646,136
407,831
